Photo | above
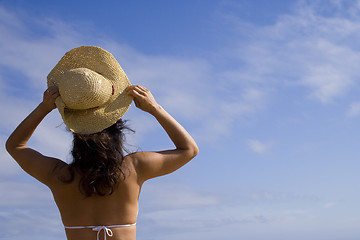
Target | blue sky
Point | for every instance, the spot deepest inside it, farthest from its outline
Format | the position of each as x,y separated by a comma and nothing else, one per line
269,89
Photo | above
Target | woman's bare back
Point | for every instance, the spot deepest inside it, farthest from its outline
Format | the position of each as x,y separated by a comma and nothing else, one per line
119,208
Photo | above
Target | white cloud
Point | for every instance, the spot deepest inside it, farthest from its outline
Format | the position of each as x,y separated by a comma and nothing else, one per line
41,223
258,146
305,49
31,56
175,196
24,194
334,74
295,212
280,197
354,109
330,205
228,109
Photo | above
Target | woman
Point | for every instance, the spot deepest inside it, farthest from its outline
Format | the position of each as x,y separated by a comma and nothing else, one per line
99,199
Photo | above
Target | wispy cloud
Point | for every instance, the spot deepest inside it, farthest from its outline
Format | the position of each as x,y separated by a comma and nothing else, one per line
17,192
27,223
258,146
281,197
330,204
354,109
306,49
206,210
29,55
29,205
175,196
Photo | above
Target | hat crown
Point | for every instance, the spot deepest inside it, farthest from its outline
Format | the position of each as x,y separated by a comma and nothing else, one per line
92,89
82,88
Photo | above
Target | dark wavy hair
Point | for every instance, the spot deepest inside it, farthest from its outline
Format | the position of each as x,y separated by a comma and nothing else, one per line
99,158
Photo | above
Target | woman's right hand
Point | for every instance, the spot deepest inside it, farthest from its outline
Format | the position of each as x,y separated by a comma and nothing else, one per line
49,98
143,98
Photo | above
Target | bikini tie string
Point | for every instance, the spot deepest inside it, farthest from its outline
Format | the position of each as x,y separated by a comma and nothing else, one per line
107,231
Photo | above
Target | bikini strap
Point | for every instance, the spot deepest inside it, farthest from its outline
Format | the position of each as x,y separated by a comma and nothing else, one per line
107,231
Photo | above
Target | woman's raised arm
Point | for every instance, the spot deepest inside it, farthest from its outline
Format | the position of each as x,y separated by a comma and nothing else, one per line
33,162
153,164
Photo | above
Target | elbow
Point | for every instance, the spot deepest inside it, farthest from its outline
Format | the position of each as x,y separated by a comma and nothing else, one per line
9,146
193,151
189,152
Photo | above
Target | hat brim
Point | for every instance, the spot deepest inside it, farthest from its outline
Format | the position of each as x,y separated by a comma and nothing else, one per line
98,60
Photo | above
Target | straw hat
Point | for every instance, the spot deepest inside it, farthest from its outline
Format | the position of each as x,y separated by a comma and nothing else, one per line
92,87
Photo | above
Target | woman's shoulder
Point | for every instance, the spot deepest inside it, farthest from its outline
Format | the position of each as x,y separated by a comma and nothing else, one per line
133,161
63,173
130,160
135,158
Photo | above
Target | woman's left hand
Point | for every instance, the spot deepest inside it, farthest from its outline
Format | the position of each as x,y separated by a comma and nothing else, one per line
49,98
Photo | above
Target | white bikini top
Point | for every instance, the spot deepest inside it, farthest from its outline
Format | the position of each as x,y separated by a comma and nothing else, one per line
107,230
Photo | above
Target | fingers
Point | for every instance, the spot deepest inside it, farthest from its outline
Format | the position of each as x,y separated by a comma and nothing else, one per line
52,91
143,98
142,89
51,94
137,90
49,98
137,93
